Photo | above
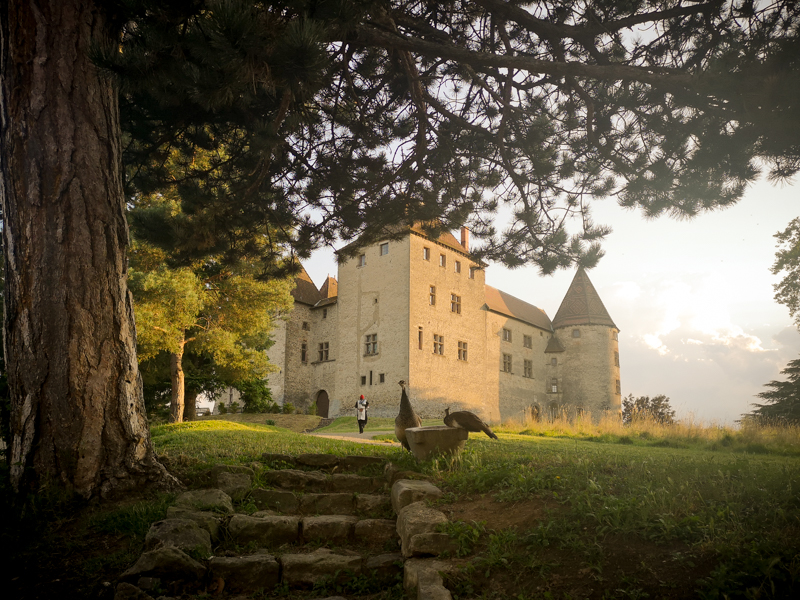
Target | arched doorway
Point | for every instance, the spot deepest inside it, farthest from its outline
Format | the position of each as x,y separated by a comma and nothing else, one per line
322,404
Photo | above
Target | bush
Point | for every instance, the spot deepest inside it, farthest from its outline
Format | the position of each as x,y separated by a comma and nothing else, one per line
234,407
269,422
288,408
256,396
223,410
312,410
657,409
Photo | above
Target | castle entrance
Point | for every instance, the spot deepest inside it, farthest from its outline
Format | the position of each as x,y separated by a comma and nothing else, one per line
323,404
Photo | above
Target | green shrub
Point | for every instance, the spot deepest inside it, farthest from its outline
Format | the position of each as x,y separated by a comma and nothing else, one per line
234,407
288,408
223,410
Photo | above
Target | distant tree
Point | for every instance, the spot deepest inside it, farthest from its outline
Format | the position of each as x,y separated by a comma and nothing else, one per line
656,408
787,263
783,400
220,314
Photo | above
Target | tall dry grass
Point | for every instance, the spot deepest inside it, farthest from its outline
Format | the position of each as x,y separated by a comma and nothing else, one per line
748,436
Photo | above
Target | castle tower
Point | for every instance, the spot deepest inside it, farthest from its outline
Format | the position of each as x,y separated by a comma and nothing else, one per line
588,372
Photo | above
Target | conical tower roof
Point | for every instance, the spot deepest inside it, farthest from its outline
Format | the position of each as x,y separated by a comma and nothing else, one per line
582,305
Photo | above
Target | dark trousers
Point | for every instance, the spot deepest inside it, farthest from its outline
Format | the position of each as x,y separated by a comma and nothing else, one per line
361,425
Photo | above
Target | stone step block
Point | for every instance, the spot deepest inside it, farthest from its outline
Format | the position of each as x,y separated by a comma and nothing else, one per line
347,482
422,578
354,463
408,491
416,519
180,533
376,532
205,520
264,531
294,480
213,500
327,504
302,570
370,504
246,573
280,500
318,461
168,564
385,567
329,528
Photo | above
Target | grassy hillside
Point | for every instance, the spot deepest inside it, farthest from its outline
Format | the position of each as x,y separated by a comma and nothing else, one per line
555,510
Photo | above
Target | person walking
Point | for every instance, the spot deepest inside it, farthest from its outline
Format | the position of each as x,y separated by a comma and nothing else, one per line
361,413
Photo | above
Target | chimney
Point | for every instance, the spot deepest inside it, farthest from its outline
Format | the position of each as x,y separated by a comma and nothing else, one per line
465,239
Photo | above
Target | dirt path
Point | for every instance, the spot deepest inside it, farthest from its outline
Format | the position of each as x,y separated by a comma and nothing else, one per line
364,438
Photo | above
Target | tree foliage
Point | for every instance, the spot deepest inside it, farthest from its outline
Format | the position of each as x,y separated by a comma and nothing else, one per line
343,119
783,399
787,263
656,409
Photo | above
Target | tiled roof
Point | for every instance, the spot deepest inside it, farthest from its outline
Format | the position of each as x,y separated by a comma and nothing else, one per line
508,305
582,305
446,238
305,292
554,345
326,302
330,288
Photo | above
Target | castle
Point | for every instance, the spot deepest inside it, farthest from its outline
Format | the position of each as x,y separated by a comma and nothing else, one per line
418,309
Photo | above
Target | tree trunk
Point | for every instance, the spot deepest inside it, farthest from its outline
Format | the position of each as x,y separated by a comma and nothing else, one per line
176,371
78,417
190,405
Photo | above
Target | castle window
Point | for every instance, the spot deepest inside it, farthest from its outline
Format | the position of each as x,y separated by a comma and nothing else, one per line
438,344
615,335
324,313
420,338
371,342
457,266
363,380
442,260
384,248
426,254
506,363
362,260
432,296
382,377
462,350
370,377
619,387
527,341
576,333
616,359
303,352
528,369
506,335
455,304
306,326
554,361
324,347
554,385
472,272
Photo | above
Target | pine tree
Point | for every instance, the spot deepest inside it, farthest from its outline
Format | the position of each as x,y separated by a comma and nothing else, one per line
783,400
343,119
787,262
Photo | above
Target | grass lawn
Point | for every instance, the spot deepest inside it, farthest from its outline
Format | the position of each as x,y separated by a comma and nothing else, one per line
350,424
547,511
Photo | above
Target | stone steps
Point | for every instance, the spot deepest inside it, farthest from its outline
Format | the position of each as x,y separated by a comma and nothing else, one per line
206,546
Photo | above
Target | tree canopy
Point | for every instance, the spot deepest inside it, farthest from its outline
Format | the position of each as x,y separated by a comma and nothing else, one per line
343,118
787,263
657,409
782,401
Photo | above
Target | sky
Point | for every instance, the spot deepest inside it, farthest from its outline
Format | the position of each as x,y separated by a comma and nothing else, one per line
693,301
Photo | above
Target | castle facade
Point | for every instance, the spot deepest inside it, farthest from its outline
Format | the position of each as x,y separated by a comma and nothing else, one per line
419,310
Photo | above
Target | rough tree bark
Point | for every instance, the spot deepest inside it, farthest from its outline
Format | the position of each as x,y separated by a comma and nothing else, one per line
78,415
190,405
176,372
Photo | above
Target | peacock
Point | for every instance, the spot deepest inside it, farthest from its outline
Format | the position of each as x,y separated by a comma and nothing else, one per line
406,418
464,419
